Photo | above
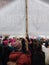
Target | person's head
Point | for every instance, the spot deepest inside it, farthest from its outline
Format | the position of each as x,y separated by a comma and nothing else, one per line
6,37
31,41
35,41
37,47
18,45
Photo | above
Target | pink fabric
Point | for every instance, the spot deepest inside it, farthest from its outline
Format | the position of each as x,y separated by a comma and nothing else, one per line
5,42
12,41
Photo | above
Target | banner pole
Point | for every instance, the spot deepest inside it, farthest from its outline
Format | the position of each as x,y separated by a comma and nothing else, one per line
26,1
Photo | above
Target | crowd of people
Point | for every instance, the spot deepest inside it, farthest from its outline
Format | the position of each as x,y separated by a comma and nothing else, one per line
22,51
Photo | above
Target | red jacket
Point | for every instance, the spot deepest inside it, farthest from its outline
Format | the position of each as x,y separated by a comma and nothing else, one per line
20,58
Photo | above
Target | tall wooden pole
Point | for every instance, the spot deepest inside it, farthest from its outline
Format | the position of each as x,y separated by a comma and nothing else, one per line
26,1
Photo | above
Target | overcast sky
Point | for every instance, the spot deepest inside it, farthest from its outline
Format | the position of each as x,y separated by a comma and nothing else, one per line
46,1
13,21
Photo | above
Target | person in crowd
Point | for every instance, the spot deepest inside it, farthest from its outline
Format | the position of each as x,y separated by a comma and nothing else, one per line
1,54
7,50
20,57
46,43
22,51
38,57
5,40
30,46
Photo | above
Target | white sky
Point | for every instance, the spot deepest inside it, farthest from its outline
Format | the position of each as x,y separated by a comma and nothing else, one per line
12,18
